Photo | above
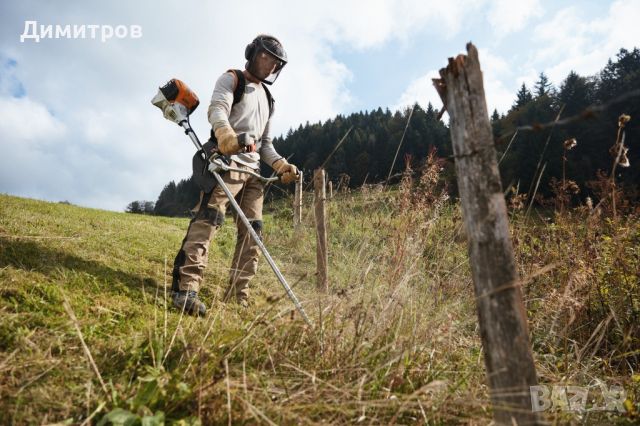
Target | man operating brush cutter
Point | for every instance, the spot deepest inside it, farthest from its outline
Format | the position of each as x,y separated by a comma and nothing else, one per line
227,170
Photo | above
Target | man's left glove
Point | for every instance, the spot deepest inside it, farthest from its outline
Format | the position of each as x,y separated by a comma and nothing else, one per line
229,143
288,172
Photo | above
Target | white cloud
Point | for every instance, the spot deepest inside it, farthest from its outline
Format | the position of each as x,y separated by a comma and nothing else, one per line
572,42
492,63
567,41
420,90
528,76
508,16
364,25
495,70
26,122
29,136
47,159
315,90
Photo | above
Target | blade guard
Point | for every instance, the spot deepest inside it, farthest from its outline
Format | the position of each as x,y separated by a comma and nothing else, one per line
176,101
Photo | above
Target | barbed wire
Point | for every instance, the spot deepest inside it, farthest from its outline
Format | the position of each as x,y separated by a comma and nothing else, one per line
326,160
395,157
588,113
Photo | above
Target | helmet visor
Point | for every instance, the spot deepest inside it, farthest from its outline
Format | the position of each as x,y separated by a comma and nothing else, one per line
270,55
273,47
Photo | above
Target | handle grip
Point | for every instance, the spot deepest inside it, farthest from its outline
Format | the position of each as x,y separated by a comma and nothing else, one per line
288,177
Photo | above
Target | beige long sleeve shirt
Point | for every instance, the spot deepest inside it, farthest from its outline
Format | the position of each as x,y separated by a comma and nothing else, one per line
250,115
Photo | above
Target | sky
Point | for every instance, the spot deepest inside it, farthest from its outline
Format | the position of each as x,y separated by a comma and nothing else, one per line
77,125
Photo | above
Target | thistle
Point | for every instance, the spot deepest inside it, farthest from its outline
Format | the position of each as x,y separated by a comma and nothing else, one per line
618,151
570,144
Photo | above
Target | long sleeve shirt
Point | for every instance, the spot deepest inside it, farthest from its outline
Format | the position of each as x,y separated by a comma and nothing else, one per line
250,115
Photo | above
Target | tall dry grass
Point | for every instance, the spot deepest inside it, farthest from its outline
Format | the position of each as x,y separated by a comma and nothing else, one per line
396,339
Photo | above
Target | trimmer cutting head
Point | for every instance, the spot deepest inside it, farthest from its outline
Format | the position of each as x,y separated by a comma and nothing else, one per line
176,101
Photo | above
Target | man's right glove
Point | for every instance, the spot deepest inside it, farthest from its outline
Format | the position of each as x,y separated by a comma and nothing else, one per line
288,172
229,143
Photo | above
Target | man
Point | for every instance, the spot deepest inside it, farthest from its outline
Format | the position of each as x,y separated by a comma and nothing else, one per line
240,123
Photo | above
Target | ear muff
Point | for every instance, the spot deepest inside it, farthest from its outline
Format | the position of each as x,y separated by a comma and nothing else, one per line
248,51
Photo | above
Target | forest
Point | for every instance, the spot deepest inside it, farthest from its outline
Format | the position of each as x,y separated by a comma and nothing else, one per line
530,139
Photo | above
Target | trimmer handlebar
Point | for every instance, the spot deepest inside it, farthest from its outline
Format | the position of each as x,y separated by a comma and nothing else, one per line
216,164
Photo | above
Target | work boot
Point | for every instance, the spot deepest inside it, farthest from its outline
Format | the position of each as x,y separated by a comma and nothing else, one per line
188,299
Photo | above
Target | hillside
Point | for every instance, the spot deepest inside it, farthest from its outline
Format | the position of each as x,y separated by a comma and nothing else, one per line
396,339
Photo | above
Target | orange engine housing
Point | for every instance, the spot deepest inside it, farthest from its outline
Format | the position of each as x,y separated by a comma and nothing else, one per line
177,91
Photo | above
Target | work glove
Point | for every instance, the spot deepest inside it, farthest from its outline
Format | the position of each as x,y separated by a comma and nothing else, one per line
288,172
229,143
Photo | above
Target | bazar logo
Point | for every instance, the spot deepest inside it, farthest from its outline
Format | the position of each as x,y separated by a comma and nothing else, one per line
576,398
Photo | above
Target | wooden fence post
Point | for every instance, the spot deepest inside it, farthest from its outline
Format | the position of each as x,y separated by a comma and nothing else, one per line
503,322
297,202
322,258
330,185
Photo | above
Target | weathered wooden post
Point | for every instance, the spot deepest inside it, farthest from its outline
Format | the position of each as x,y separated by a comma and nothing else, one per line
322,258
297,201
503,322
330,185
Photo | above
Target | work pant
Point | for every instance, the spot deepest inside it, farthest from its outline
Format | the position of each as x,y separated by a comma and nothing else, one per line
189,265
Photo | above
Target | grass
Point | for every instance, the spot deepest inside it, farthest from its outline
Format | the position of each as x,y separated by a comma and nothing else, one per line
396,340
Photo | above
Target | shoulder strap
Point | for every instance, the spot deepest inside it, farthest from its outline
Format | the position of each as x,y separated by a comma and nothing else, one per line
238,93
270,99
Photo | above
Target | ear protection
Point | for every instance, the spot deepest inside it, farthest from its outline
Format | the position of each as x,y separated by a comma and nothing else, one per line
250,49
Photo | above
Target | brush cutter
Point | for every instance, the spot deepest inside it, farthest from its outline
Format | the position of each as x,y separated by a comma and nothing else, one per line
177,102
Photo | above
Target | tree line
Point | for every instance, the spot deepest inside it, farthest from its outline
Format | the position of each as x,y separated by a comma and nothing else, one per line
367,155
594,132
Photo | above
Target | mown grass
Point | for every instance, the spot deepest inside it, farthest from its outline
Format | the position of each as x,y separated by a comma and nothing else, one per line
396,339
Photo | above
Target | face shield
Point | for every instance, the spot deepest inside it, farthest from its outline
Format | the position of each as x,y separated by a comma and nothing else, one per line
266,60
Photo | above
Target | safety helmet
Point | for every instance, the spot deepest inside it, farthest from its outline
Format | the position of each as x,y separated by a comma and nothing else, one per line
270,45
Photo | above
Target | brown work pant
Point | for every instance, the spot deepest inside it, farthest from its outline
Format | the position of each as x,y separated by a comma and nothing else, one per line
189,265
